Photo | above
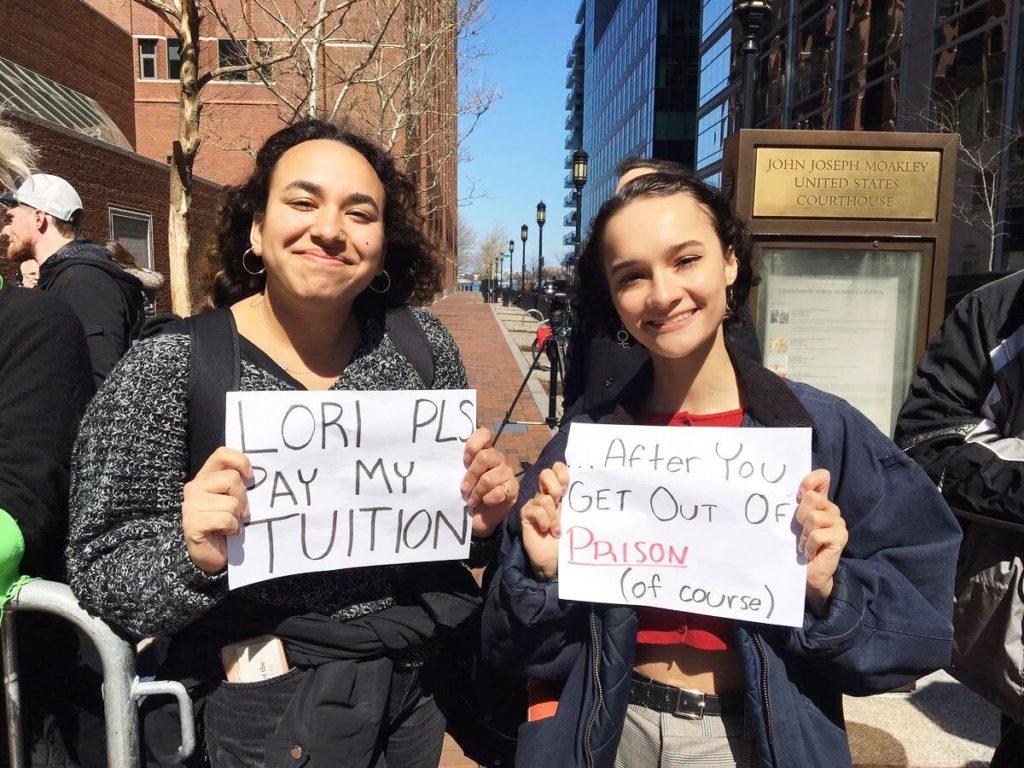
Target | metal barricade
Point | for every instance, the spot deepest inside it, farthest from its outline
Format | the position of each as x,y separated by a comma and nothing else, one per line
122,688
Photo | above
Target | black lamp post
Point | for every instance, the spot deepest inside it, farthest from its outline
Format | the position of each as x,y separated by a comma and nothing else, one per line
542,216
511,256
753,16
579,180
501,277
523,232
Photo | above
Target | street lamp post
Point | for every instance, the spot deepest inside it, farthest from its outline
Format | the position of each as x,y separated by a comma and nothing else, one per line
753,16
523,232
579,180
511,256
542,216
501,277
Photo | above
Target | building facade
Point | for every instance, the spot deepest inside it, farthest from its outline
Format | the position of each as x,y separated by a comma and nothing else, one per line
79,111
387,69
889,65
632,89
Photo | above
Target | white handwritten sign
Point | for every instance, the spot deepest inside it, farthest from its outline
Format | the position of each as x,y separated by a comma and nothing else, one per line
349,479
698,519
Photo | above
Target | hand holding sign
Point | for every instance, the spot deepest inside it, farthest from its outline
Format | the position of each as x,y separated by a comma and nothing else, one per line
214,506
490,485
541,525
822,539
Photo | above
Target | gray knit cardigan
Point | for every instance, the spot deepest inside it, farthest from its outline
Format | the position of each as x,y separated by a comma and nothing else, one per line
127,559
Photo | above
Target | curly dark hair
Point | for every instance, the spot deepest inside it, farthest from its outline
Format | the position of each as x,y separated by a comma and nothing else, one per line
593,302
409,258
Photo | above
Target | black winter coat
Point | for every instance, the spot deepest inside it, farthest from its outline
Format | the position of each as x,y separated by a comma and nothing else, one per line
109,301
45,384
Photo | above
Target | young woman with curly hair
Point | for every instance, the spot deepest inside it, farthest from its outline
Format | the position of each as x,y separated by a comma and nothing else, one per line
314,247
666,265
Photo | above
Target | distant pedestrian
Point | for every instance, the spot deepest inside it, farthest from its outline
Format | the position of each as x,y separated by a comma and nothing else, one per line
28,274
42,224
963,422
151,280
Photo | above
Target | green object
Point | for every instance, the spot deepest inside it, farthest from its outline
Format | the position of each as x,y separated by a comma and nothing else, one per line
12,547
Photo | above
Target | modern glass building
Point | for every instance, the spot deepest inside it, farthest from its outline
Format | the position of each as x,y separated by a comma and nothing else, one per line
889,65
717,87
638,63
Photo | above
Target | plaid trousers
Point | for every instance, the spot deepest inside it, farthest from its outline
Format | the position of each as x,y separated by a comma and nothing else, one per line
660,740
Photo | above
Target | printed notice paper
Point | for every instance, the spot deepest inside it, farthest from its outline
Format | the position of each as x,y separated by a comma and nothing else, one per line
349,479
699,519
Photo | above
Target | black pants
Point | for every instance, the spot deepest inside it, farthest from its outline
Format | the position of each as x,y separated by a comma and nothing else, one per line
241,722
1010,752
62,712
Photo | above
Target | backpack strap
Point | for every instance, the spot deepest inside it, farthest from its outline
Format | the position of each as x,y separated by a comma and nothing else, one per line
411,340
214,368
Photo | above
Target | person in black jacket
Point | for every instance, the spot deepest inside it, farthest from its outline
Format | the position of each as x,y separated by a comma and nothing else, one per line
41,224
45,384
963,422
598,367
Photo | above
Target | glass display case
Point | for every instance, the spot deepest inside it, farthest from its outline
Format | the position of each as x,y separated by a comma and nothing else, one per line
844,320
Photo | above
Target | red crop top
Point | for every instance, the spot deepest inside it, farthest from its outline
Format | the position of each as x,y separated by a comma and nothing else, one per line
659,626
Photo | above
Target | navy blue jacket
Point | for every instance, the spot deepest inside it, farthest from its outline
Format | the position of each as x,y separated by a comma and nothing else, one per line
887,622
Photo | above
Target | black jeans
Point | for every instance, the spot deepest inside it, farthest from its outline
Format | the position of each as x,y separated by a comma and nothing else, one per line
241,723
1010,752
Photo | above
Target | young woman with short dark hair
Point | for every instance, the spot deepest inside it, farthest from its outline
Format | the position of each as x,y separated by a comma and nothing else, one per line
666,265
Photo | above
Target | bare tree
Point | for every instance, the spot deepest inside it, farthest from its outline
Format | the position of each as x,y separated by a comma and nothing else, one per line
402,71
465,246
184,17
982,150
491,248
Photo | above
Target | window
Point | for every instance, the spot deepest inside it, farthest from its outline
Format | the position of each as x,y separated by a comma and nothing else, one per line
134,230
173,60
714,67
265,52
147,60
28,93
232,53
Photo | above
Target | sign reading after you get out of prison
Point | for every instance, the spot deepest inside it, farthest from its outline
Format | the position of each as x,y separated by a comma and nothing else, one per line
821,183
348,479
697,520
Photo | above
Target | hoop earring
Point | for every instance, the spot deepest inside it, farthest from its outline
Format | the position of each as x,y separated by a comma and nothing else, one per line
622,338
730,303
249,252
386,277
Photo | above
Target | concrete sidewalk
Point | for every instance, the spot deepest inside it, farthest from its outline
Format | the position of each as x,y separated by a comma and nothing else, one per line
939,725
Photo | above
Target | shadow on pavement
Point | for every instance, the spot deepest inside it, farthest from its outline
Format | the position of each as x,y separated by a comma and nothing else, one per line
874,748
958,711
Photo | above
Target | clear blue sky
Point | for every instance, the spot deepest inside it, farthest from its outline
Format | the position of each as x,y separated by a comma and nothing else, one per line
517,152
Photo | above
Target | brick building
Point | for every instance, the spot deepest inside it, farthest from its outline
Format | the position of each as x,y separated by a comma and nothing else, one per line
405,100
80,112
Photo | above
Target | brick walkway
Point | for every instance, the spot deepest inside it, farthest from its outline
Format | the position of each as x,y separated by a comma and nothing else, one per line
494,374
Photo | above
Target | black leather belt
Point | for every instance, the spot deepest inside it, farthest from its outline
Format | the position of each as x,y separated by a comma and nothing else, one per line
681,702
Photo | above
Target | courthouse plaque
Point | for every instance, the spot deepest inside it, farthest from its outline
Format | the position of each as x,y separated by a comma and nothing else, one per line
827,183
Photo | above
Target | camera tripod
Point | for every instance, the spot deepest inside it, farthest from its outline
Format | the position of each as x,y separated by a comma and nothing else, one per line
547,344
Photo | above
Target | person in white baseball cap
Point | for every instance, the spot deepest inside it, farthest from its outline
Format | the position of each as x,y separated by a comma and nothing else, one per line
42,224
41,217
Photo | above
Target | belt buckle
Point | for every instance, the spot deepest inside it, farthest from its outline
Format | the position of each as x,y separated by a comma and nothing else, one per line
687,695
